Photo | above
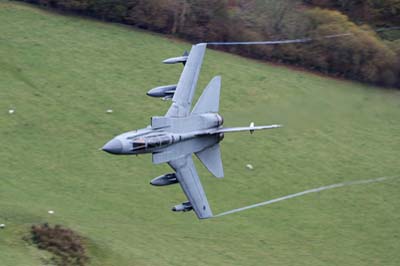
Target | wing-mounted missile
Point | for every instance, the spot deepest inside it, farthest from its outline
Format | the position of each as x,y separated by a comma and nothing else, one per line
164,180
165,92
180,59
184,207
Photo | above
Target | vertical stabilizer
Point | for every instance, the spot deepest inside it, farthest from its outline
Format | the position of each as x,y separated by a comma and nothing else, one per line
209,100
211,158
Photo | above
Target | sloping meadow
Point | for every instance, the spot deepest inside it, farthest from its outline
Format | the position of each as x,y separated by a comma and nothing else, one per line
61,74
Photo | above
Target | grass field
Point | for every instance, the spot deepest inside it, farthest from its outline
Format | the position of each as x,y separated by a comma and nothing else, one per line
62,73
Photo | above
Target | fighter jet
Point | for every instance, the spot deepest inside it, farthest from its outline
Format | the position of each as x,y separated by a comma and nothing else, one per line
184,131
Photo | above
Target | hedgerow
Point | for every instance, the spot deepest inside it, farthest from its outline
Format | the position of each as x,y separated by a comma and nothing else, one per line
363,56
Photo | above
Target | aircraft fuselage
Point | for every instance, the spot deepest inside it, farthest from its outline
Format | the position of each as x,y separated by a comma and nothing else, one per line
169,131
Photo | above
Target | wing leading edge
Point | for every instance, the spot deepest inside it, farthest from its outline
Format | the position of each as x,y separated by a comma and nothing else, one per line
190,182
186,87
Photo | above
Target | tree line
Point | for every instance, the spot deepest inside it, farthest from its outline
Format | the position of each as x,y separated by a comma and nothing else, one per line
377,12
362,56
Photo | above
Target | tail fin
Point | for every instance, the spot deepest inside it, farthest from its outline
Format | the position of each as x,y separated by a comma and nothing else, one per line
209,100
251,128
211,158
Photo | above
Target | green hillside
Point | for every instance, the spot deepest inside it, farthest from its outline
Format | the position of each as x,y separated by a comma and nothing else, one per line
62,73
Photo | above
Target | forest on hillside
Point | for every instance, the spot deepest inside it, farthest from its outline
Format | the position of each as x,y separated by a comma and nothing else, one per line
365,55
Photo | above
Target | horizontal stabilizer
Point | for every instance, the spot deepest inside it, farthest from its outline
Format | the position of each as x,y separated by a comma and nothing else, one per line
211,158
209,99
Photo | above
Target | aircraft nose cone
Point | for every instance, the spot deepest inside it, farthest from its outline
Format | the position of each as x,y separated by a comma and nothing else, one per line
114,146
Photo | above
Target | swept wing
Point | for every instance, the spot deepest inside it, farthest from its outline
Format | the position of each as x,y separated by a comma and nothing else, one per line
182,100
190,182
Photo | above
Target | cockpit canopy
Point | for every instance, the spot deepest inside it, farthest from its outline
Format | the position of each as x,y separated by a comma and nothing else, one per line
139,144
153,141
